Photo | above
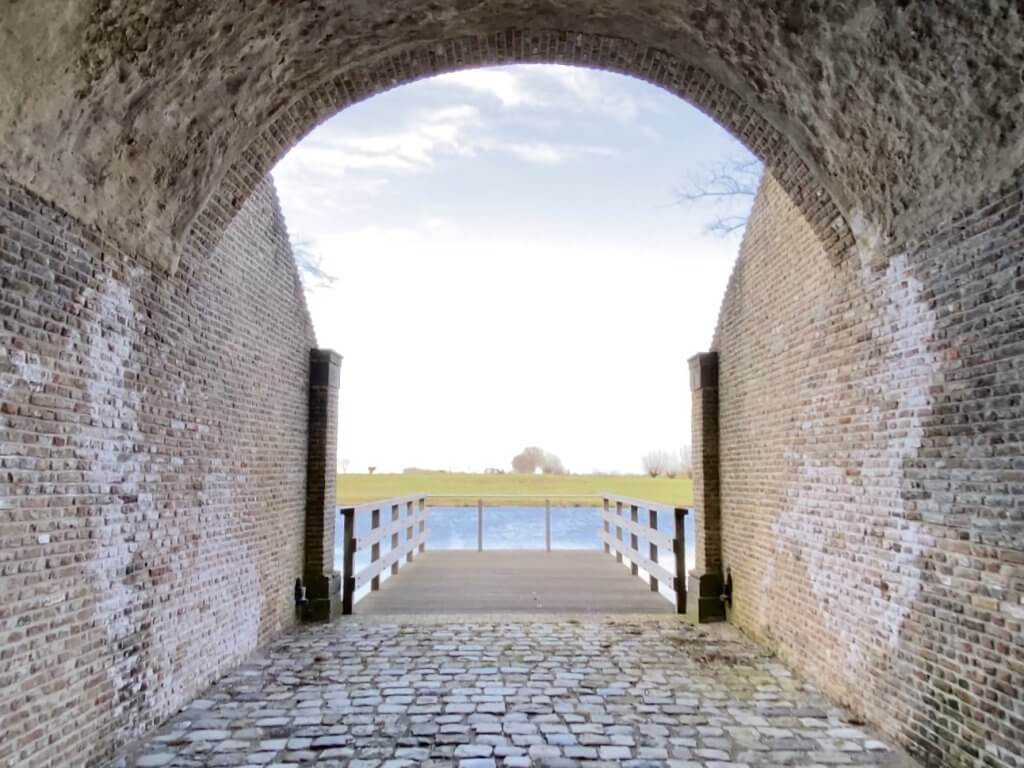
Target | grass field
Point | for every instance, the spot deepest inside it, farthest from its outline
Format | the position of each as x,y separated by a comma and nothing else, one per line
447,487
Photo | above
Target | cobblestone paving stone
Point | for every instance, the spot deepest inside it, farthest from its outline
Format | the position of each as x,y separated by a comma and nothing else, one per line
484,694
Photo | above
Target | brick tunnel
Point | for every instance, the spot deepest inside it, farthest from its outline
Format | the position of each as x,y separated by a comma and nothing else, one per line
857,416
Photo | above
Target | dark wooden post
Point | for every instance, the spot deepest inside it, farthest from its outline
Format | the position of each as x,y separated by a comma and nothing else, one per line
634,541
423,522
679,548
410,519
707,579
348,584
323,583
395,514
653,523
375,549
607,527
618,531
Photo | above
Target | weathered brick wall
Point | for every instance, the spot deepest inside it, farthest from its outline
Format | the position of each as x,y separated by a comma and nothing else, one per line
872,471
152,471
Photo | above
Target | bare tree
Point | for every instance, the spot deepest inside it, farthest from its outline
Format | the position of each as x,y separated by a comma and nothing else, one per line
551,465
310,270
343,463
654,462
532,458
728,189
371,469
673,466
686,461
528,461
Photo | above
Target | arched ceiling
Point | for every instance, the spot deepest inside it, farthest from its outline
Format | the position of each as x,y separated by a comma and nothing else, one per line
131,114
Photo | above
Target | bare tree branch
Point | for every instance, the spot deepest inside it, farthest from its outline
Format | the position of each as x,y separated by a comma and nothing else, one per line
731,185
726,225
310,270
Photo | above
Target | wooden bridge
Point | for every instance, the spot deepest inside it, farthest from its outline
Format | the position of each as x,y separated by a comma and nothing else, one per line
403,577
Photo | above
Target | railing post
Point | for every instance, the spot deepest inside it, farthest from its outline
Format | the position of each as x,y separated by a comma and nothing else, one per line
348,577
395,514
618,531
679,547
410,519
634,541
607,527
375,549
547,524
653,523
423,523
479,525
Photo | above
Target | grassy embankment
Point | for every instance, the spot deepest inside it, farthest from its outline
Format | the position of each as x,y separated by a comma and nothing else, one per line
455,489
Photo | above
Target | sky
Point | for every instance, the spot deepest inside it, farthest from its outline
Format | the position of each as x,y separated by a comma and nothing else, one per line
512,265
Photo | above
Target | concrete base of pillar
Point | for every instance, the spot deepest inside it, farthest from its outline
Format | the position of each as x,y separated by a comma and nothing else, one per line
323,599
704,598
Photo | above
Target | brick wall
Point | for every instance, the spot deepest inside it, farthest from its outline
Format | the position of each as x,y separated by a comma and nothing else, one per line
152,470
872,471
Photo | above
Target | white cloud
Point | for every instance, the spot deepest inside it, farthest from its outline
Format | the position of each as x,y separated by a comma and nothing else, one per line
592,92
432,132
458,130
507,87
546,87
543,153
330,154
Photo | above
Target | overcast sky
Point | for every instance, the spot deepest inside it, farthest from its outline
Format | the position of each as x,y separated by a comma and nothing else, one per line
512,266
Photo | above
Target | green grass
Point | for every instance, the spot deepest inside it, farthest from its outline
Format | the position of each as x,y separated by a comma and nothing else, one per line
446,486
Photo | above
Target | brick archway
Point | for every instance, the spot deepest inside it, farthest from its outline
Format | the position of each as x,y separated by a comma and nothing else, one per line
136,120
155,341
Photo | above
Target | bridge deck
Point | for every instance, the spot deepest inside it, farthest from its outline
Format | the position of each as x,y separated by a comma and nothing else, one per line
573,581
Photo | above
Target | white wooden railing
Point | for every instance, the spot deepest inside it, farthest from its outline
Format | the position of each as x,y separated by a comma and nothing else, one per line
614,519
407,530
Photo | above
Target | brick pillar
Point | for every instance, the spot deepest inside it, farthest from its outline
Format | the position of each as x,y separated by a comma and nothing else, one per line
705,581
323,583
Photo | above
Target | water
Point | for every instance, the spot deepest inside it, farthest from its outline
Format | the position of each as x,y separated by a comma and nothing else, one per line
511,528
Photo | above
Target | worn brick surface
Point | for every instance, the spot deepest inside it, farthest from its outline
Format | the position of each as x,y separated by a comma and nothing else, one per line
872,471
152,472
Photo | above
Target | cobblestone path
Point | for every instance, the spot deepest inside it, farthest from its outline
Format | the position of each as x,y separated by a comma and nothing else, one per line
482,694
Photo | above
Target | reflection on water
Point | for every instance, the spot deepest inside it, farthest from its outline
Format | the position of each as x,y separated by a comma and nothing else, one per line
512,528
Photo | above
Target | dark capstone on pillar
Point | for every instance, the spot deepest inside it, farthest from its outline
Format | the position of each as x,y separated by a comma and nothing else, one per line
323,583
706,582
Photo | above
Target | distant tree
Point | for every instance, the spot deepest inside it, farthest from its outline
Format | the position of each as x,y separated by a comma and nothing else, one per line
729,189
551,464
528,461
686,461
654,462
673,467
371,470
343,463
